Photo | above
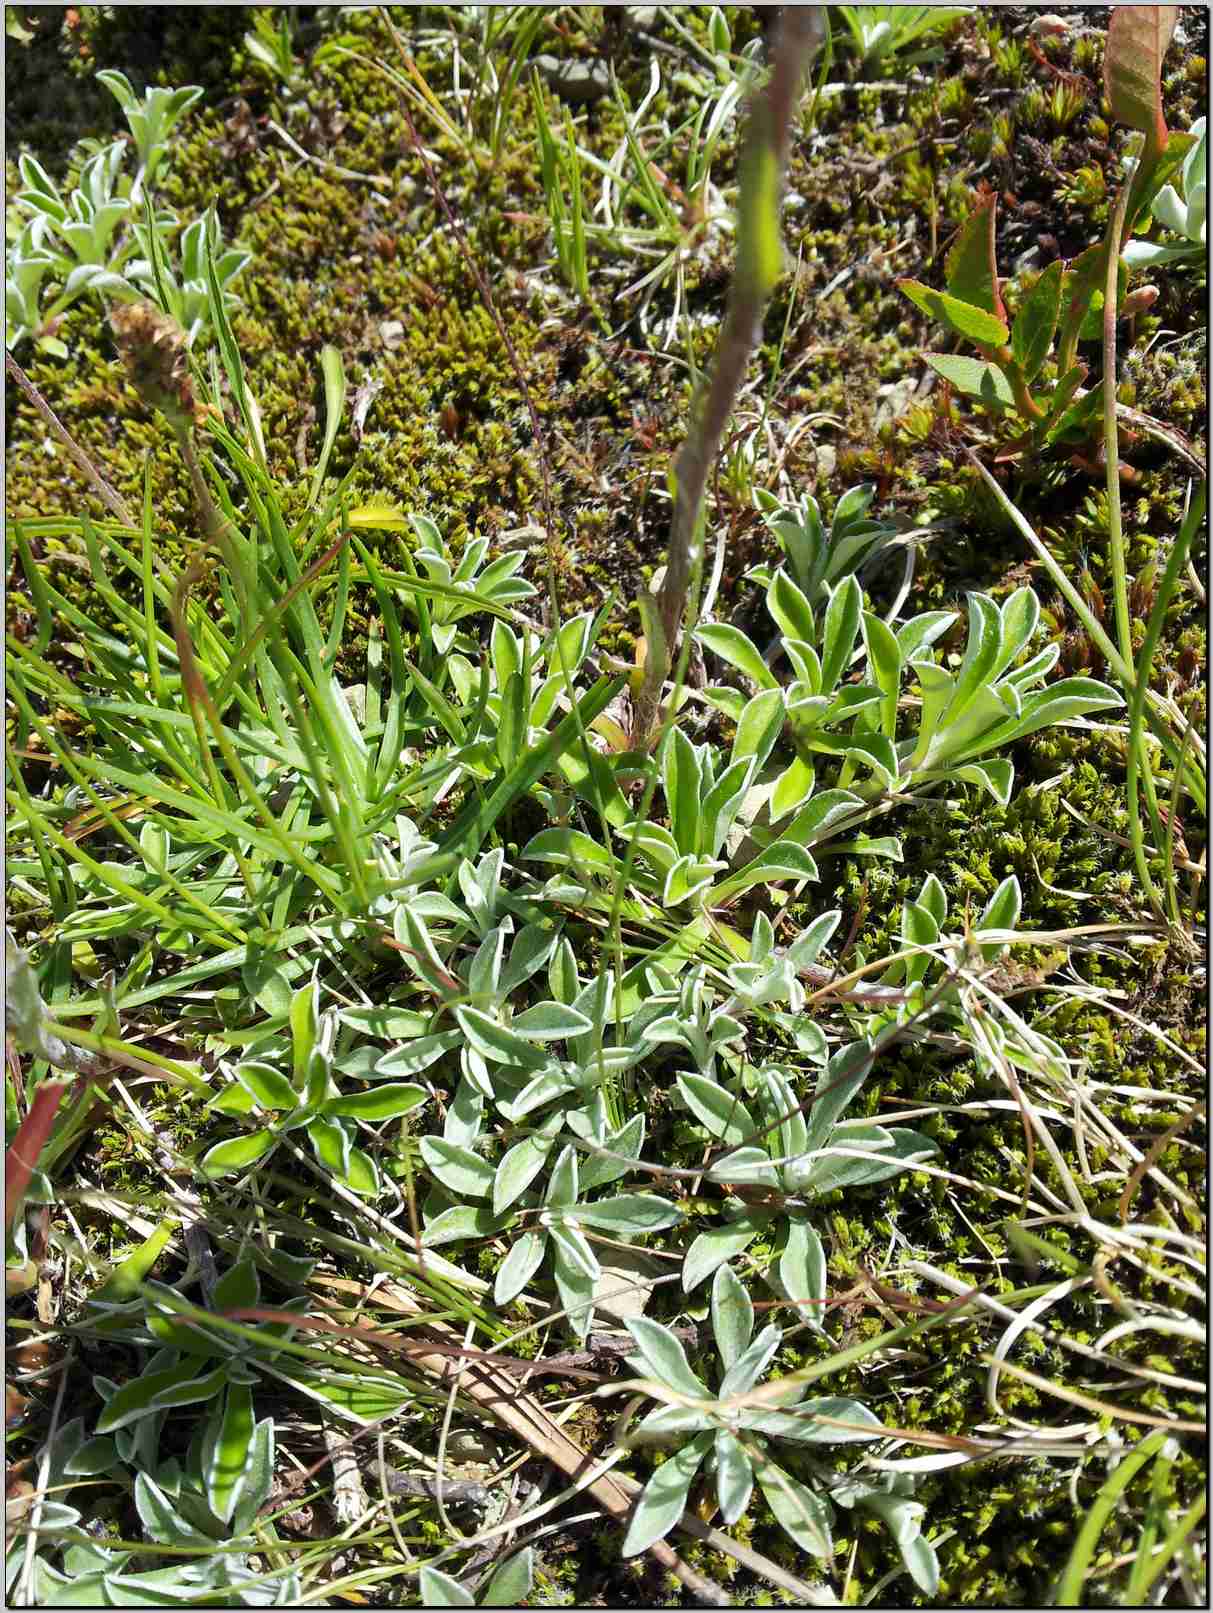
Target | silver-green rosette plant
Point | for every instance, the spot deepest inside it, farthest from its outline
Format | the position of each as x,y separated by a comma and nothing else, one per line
730,1431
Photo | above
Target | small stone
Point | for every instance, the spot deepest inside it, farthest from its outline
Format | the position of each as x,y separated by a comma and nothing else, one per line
470,1445
625,1283
392,332
578,82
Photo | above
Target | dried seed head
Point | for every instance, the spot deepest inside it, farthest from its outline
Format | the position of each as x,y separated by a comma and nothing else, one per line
153,348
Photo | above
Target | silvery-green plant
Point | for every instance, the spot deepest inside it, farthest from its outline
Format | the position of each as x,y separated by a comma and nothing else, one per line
883,33
498,581
82,242
28,262
1181,210
508,1585
817,559
185,294
174,1508
308,1098
554,1223
989,702
506,1052
783,1159
152,119
732,1434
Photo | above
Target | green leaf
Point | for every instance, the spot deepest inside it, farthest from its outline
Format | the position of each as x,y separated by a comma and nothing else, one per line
574,1283
751,1363
783,859
630,1215
972,272
1020,616
519,1266
571,848
226,1451
549,1021
597,1170
884,667
712,1248
975,377
790,609
305,1024
267,1086
837,1085
734,1477
961,318
1036,322
334,404
725,1116
802,1271
461,1222
792,788
573,1253
681,777
237,1154
458,1169
510,1584
495,1043
158,1391
562,1185
661,1355
239,1286
759,727
519,1167
732,645
440,1590
416,1055
838,632
512,732
922,1564
663,1500
161,1520
803,1516
732,1315
1001,912
387,1102
995,777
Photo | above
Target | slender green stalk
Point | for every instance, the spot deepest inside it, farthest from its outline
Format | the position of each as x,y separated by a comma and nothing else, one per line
1161,713
759,262
1137,755
1069,1591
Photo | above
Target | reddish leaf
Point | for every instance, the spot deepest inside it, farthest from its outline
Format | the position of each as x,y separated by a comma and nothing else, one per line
1138,37
972,271
22,1155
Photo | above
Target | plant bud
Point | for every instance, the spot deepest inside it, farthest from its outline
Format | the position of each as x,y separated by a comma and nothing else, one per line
1138,301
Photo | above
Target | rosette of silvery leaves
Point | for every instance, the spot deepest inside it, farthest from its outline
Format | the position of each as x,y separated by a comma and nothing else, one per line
734,1431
